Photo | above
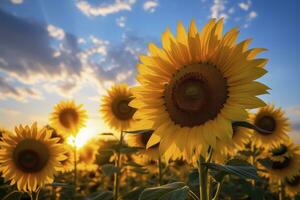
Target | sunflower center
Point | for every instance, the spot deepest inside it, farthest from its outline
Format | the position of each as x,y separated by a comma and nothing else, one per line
31,155
68,117
279,151
293,182
121,109
195,94
281,164
267,123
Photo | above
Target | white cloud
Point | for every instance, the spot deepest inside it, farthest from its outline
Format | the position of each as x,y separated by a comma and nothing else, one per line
218,9
104,9
245,5
252,15
121,21
150,5
16,1
56,32
81,41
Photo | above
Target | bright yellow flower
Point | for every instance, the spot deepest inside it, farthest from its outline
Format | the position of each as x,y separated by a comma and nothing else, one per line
68,118
193,87
115,110
30,157
271,119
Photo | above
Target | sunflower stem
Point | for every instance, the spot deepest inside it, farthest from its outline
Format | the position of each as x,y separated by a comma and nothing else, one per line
75,168
208,160
202,179
281,190
159,171
253,182
218,191
117,174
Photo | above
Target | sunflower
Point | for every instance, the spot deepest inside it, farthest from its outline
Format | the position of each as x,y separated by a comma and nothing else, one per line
292,186
273,120
68,162
30,157
87,157
288,166
115,109
68,118
140,140
196,85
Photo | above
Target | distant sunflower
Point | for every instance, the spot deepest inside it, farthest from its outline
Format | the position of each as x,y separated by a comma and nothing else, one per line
87,156
141,140
68,118
30,157
292,186
115,109
273,120
288,166
197,84
68,162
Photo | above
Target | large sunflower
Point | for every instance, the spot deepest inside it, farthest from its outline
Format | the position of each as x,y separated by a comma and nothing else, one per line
197,84
30,157
273,120
67,118
284,163
115,109
292,186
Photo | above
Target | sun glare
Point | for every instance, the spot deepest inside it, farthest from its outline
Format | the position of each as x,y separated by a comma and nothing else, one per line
84,135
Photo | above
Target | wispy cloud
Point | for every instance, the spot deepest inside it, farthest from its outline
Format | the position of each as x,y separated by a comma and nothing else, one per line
121,21
104,9
56,32
9,112
150,5
16,1
245,5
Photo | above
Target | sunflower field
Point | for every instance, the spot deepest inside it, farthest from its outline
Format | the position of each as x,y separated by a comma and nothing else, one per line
192,128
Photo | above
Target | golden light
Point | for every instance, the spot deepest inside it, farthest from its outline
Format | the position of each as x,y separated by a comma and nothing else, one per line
84,135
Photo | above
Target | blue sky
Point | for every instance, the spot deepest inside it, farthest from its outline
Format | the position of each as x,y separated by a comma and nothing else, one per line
53,50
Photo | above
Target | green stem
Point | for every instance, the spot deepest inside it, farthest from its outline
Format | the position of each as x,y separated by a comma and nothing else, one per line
218,191
202,179
75,169
253,182
208,160
118,165
281,191
159,171
35,195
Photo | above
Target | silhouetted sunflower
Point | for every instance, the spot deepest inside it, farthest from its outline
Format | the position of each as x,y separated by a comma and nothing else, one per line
196,85
67,118
30,157
115,109
288,166
292,186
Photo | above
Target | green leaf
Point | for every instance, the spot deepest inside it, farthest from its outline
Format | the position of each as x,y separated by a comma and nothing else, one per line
193,178
266,162
65,185
109,169
235,167
129,150
107,134
178,194
133,194
13,195
139,170
250,126
133,164
156,193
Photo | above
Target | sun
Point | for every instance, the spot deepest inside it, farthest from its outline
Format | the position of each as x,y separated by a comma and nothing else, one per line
84,135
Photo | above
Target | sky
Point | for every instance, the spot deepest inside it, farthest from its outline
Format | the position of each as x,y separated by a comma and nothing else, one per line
63,49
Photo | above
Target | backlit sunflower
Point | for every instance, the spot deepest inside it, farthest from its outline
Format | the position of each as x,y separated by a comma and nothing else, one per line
271,119
30,157
288,166
292,186
115,109
197,84
68,162
141,140
87,156
67,118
